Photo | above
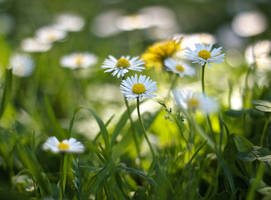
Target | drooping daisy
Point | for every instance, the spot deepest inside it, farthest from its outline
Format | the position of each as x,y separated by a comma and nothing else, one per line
179,68
122,65
33,45
194,101
156,54
49,34
78,60
66,146
21,64
138,87
69,22
204,54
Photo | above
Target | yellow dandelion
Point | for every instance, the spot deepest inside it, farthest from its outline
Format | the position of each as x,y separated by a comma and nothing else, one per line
155,55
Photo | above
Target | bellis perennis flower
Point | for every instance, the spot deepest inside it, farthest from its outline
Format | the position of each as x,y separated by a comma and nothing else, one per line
138,87
78,60
66,146
122,65
204,54
179,68
193,101
21,64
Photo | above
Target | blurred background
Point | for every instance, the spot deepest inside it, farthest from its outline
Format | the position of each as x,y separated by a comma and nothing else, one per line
118,27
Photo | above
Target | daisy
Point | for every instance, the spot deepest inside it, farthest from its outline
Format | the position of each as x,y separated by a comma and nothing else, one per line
122,65
204,54
49,34
179,68
156,54
134,87
69,22
21,64
193,101
66,146
78,60
33,45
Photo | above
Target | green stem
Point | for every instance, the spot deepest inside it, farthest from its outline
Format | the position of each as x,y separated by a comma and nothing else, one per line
202,79
143,129
264,131
173,83
133,128
203,92
63,172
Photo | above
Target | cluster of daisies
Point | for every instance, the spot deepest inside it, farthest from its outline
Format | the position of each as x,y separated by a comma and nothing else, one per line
162,55
141,86
22,64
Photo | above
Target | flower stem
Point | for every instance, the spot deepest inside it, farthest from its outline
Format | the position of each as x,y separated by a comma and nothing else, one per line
143,129
202,79
63,173
264,130
203,92
173,83
133,129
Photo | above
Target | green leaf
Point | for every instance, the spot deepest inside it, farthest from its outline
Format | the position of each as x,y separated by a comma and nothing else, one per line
235,113
246,156
263,108
6,91
261,103
121,123
242,144
76,110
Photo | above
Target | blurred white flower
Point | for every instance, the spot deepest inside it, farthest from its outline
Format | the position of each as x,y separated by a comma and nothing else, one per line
78,60
180,68
21,64
122,65
138,87
259,53
194,101
69,22
104,24
132,22
204,54
33,45
66,146
249,23
49,34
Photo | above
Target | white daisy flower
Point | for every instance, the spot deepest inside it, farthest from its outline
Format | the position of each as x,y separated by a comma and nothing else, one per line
66,146
78,60
49,34
21,64
134,87
204,54
122,65
33,45
69,22
193,101
179,68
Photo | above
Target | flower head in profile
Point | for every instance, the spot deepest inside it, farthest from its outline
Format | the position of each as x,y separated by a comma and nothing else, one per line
138,87
121,66
21,64
205,54
179,68
193,101
34,45
66,146
49,34
156,54
78,60
69,22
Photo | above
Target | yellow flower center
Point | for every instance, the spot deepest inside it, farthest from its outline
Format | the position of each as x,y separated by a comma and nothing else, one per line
79,60
193,103
138,88
204,54
179,68
123,62
51,37
63,146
